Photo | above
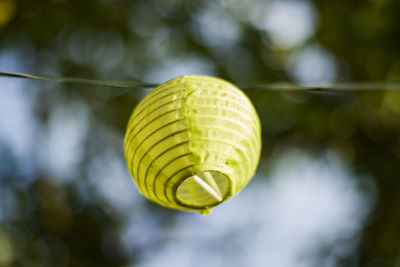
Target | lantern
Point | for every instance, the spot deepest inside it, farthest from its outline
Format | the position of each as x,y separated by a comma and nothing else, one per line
193,142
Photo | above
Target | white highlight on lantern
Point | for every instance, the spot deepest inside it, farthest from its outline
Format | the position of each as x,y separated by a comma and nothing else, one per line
207,188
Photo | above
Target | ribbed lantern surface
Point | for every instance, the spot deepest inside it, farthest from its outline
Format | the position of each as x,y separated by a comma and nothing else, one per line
193,142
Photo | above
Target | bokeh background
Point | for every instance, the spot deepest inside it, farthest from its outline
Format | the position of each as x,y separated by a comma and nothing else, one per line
327,190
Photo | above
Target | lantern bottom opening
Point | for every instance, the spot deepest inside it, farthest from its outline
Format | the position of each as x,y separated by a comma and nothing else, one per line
204,189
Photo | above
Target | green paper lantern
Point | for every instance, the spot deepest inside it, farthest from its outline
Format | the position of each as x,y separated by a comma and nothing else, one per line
193,142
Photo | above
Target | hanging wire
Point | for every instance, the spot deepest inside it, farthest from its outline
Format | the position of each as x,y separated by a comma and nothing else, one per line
120,84
278,86
325,86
